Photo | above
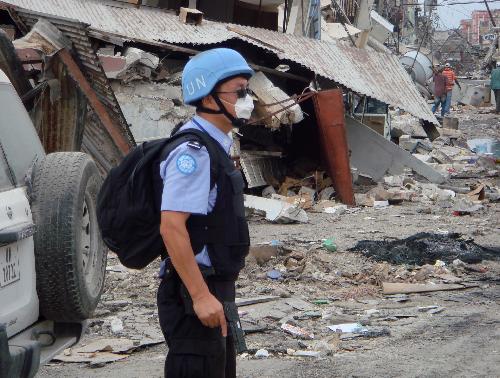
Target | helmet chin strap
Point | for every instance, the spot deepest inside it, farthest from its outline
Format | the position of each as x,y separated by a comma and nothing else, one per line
236,122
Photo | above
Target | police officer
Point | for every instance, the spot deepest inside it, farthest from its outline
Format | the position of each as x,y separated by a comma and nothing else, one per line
202,222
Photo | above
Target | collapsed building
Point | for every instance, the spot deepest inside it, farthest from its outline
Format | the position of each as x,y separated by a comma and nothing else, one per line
102,77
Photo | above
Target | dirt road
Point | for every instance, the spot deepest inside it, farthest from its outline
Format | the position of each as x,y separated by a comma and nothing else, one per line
437,334
462,342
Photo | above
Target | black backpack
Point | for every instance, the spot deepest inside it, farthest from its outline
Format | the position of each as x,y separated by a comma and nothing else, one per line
128,203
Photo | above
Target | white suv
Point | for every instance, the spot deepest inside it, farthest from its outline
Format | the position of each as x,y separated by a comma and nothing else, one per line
52,259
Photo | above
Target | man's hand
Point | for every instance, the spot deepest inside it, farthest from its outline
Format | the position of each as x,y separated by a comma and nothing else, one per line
174,232
210,312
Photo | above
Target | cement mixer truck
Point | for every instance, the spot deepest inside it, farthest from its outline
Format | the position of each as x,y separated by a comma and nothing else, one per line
419,66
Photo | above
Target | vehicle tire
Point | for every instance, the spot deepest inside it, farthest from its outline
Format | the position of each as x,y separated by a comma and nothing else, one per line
70,256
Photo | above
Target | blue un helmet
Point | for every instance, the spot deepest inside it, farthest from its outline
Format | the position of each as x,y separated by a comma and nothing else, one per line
202,73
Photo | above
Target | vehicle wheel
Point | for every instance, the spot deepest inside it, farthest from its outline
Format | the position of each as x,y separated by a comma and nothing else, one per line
69,253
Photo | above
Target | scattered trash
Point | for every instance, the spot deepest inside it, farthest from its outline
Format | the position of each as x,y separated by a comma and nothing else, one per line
348,328
274,274
116,325
321,301
240,302
299,304
306,353
336,210
376,332
439,263
117,269
380,204
297,331
466,207
329,245
308,315
398,297
262,353
431,309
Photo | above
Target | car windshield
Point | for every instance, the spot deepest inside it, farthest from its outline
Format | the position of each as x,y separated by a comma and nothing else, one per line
18,136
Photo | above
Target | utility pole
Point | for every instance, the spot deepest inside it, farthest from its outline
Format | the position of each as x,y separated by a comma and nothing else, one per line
489,12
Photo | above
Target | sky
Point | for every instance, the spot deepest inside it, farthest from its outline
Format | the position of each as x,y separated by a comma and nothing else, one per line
452,14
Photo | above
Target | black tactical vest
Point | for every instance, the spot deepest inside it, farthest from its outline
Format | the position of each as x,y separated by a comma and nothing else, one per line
225,229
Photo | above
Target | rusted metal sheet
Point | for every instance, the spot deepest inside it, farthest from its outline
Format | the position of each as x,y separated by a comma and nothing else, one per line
77,32
60,113
98,107
329,109
375,74
96,143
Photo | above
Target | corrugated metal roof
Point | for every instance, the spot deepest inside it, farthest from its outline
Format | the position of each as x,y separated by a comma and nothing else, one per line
375,74
96,140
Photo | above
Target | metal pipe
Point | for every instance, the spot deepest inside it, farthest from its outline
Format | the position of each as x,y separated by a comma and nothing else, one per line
489,12
329,109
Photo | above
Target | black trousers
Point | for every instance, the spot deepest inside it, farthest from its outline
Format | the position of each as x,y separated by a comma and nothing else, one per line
497,99
194,351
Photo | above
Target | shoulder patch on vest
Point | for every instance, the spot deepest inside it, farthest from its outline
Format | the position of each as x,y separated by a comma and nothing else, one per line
195,145
186,164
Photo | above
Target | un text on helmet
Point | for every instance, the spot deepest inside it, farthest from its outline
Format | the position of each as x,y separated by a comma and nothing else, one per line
199,82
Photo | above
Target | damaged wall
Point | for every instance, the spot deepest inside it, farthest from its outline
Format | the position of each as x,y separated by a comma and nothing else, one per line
151,109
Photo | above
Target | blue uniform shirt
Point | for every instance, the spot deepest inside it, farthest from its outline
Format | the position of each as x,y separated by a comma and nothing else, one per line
186,178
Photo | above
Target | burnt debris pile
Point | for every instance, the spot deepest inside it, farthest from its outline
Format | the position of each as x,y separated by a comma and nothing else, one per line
426,248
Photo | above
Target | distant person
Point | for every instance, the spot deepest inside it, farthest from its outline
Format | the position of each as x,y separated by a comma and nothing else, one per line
451,79
439,89
495,86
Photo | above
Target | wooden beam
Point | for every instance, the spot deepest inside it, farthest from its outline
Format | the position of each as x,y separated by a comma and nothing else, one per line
111,37
276,72
406,288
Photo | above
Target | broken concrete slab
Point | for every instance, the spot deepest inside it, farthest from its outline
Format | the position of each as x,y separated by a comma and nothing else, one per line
268,93
113,65
374,155
407,124
150,108
133,55
440,157
275,210
424,158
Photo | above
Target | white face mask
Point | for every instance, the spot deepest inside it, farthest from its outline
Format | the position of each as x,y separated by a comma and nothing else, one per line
244,107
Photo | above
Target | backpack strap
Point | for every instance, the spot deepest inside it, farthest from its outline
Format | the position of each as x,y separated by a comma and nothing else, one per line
196,136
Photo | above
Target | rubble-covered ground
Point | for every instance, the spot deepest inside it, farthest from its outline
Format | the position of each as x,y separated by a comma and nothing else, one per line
301,281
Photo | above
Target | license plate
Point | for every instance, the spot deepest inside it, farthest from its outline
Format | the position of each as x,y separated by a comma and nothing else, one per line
10,270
